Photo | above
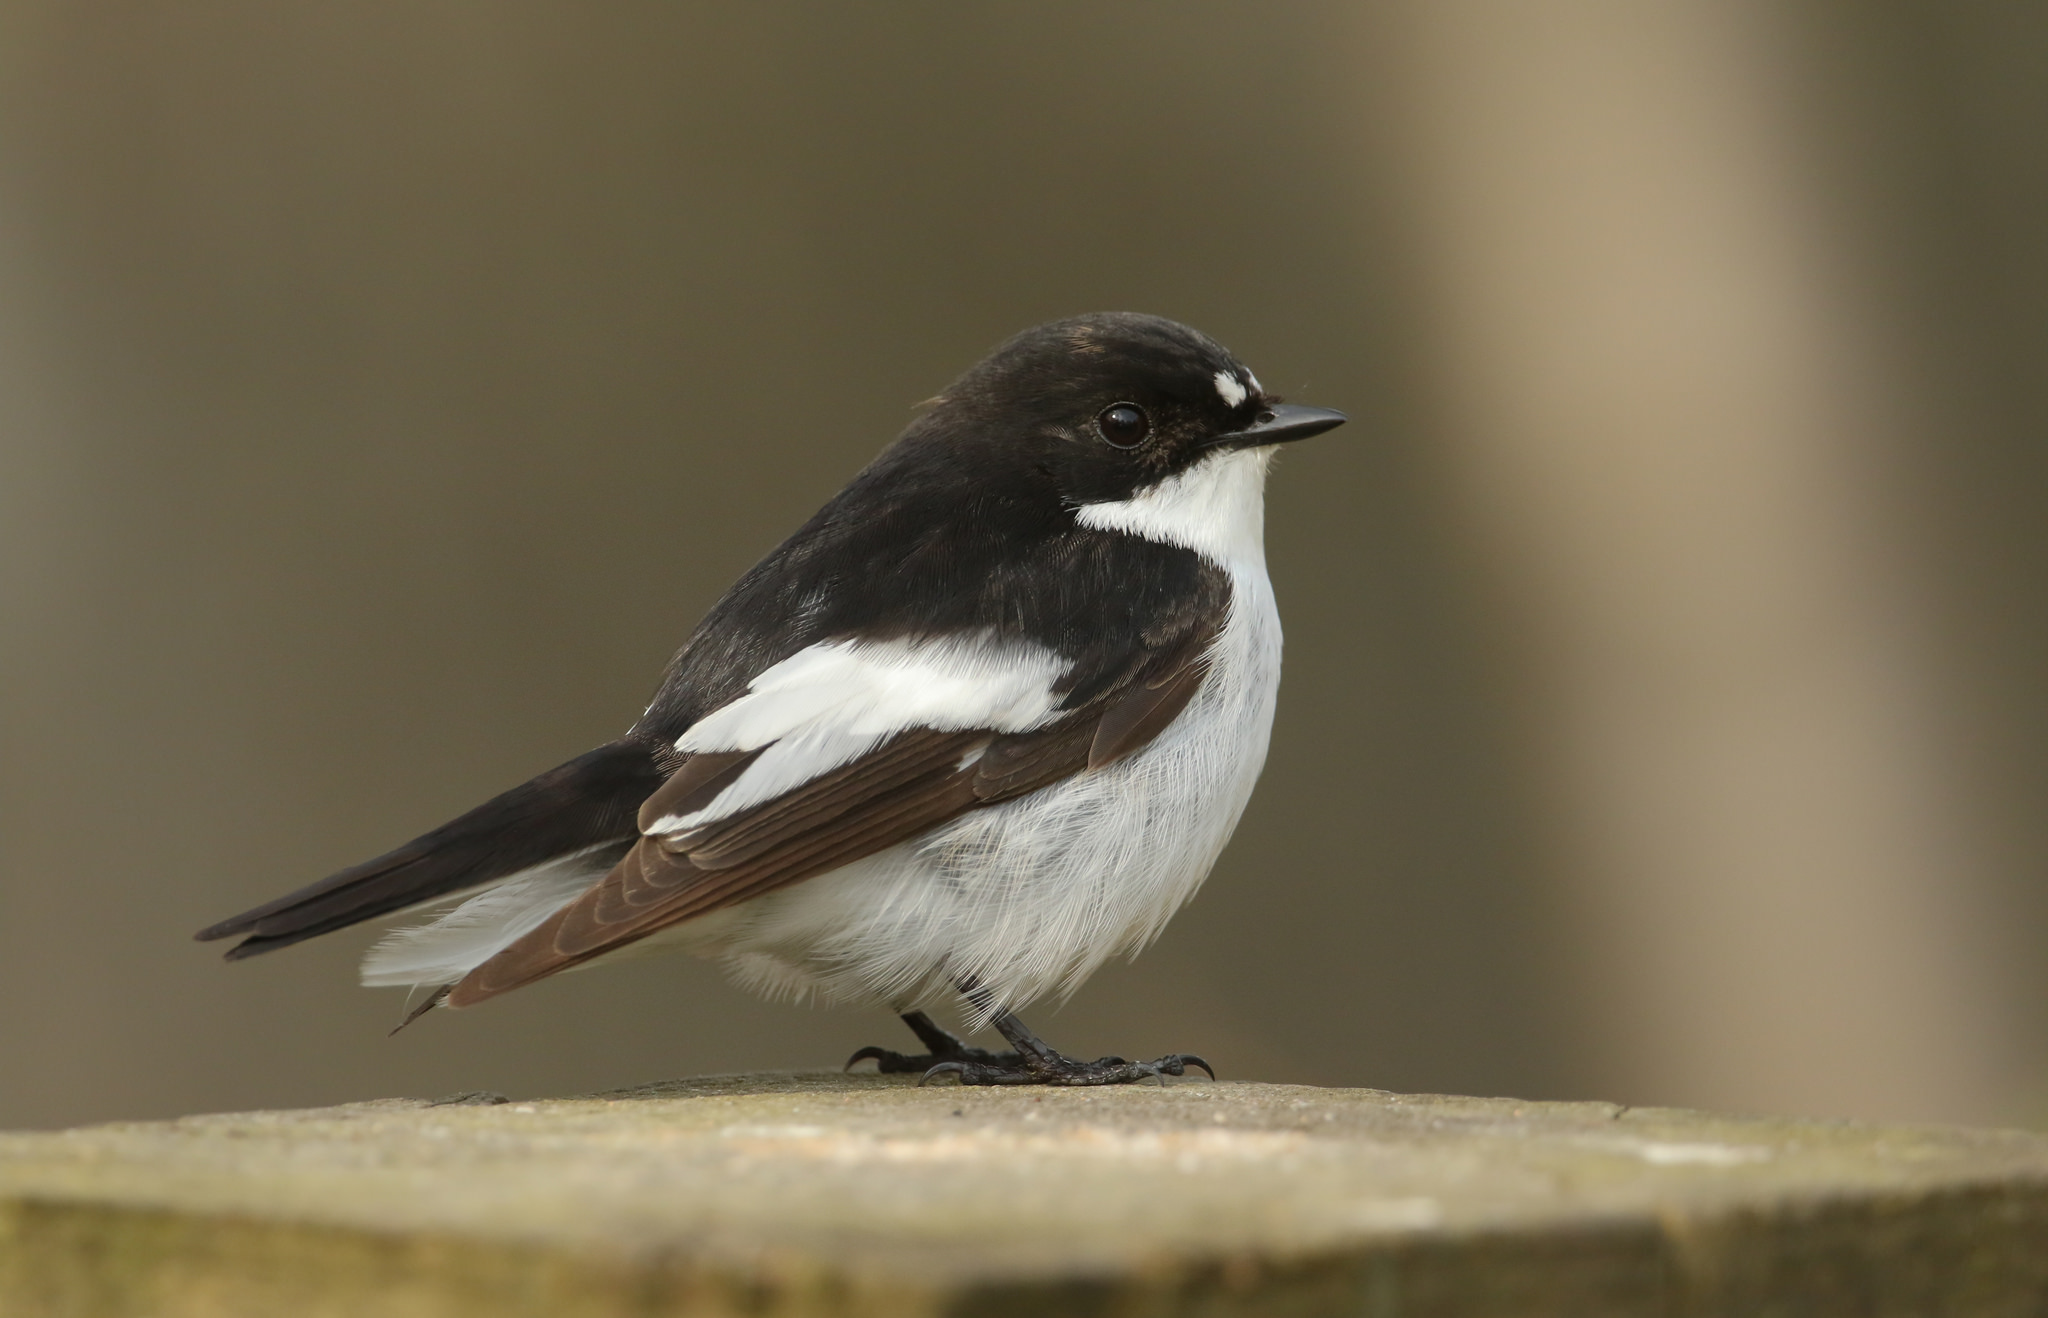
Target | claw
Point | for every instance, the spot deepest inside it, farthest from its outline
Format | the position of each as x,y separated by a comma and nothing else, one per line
943,1068
869,1053
1181,1061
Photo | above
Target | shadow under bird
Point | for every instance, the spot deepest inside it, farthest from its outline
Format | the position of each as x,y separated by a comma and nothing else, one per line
984,722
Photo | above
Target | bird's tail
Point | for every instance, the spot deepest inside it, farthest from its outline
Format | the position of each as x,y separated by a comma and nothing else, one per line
573,820
442,951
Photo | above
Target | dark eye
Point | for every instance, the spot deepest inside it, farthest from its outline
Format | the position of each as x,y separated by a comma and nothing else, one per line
1123,424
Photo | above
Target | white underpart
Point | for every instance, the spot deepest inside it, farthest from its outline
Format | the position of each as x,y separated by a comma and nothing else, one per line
1030,897
1231,388
836,701
1216,508
444,950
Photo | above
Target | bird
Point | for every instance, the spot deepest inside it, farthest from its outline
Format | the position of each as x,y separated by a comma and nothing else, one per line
982,723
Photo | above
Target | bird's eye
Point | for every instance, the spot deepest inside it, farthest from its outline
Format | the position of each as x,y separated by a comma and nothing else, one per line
1124,425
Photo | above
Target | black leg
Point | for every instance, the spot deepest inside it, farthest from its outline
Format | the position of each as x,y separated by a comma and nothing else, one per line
943,1049
1036,1063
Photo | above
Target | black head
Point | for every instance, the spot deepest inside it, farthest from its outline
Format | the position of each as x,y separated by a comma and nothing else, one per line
1105,405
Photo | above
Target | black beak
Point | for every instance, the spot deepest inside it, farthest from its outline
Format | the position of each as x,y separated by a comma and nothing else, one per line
1280,424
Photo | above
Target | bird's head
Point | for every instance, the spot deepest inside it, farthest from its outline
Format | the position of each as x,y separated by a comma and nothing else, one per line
1109,405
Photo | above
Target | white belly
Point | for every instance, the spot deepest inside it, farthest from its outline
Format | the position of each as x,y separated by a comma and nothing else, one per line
1029,897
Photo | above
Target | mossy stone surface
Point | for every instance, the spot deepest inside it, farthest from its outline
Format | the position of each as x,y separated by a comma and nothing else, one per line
827,1194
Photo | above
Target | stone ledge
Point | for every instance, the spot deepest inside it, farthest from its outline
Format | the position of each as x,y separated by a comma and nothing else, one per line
827,1194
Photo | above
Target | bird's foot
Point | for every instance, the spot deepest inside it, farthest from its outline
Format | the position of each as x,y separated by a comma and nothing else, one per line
946,1050
1034,1062
1051,1068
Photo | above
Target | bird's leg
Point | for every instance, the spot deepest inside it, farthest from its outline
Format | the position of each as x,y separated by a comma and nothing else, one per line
942,1048
1037,1063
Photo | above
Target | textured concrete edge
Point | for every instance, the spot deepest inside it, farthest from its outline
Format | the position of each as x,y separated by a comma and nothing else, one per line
1970,1251
71,1259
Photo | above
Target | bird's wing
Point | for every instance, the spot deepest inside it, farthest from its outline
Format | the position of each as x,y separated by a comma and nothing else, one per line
585,806
846,749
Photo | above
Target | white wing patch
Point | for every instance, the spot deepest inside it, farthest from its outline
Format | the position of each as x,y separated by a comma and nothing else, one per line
832,703
1216,508
1231,388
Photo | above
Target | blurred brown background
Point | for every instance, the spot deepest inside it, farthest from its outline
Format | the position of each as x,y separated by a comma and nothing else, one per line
386,387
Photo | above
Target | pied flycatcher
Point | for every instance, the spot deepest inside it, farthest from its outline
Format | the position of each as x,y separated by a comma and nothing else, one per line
984,722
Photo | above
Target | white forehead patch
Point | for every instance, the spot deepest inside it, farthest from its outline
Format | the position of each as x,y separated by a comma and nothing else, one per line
1231,388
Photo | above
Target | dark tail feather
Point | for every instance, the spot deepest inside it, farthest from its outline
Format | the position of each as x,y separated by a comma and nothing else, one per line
425,1005
592,800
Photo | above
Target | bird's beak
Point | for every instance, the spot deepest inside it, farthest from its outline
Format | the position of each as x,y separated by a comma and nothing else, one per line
1279,424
